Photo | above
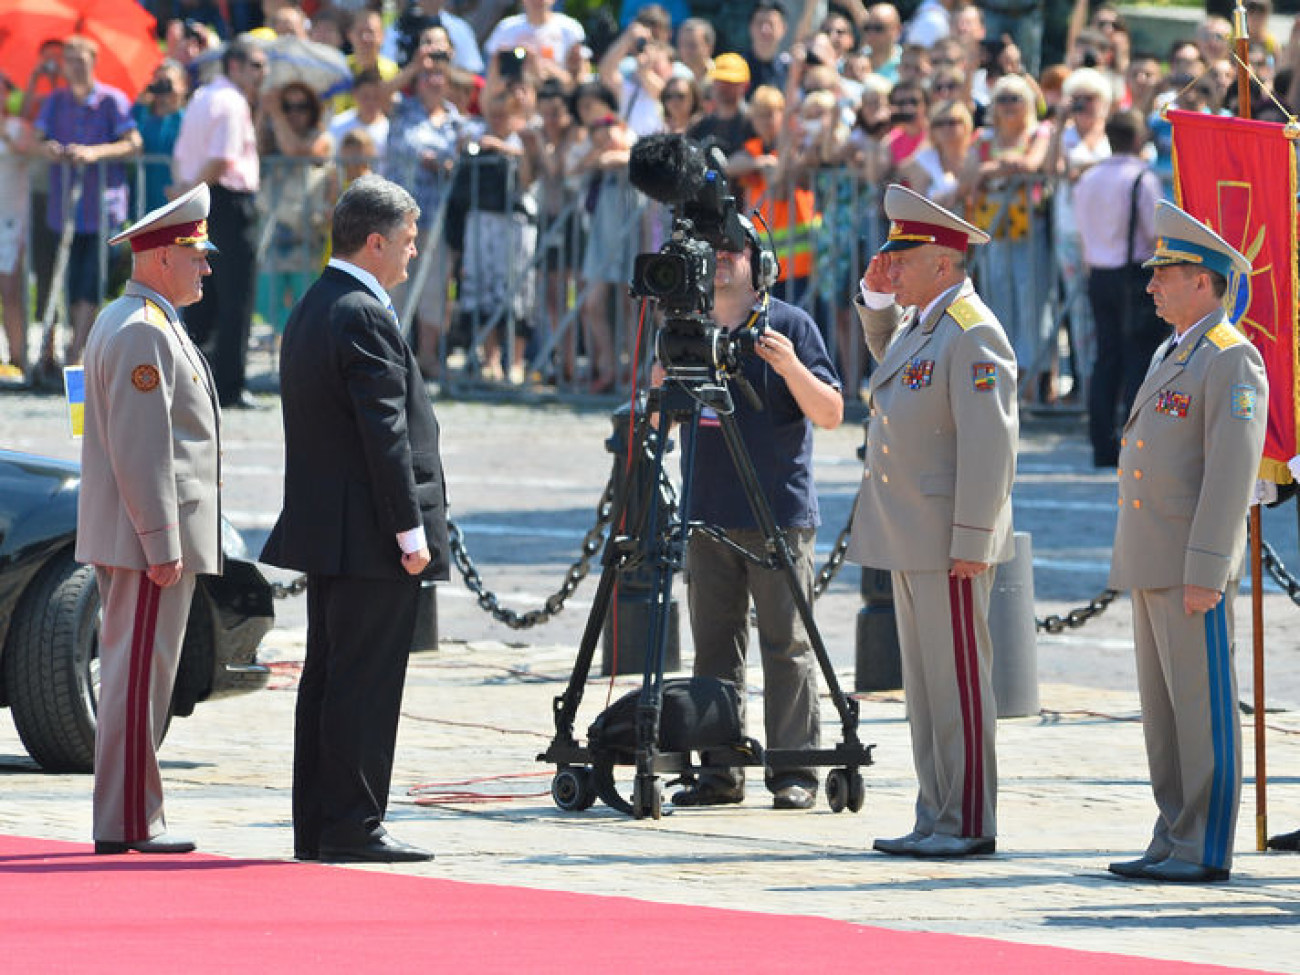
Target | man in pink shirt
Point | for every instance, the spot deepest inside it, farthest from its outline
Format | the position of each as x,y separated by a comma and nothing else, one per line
217,145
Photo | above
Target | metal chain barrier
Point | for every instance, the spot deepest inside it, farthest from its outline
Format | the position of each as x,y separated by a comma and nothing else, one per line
1077,617
1279,572
835,560
489,601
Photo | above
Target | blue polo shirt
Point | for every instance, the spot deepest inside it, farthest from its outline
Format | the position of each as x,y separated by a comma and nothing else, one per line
104,116
779,438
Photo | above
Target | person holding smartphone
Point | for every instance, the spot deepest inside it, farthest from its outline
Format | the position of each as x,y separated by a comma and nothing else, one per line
542,33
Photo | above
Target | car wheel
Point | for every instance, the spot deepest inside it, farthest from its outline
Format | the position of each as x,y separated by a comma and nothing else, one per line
52,665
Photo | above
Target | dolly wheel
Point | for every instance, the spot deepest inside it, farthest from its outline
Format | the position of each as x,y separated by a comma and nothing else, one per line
647,797
572,789
857,791
837,789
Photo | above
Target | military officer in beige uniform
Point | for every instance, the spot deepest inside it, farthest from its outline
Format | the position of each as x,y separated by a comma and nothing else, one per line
149,515
935,508
1189,457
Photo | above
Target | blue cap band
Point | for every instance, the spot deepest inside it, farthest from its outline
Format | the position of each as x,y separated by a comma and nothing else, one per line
1171,250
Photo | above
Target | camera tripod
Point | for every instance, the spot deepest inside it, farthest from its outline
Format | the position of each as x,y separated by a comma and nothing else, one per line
584,772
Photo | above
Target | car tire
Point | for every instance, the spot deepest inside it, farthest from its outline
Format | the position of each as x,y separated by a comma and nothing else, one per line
52,665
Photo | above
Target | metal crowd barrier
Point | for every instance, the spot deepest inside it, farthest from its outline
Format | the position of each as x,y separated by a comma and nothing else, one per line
519,280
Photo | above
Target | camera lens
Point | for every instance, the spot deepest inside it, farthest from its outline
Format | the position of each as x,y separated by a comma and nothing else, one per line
663,277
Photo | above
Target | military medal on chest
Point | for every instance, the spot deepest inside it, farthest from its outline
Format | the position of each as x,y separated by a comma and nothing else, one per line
916,374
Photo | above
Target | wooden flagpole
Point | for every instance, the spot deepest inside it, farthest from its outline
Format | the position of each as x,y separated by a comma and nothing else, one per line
1242,48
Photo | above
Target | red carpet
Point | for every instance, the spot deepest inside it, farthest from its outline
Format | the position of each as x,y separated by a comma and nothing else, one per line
65,909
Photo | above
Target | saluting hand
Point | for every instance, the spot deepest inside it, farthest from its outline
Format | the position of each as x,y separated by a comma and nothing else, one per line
415,562
876,276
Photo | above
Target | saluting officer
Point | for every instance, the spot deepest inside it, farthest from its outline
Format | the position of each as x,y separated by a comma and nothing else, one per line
1189,457
935,508
149,510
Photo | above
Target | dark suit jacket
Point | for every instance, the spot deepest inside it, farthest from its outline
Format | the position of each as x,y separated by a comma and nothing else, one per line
361,440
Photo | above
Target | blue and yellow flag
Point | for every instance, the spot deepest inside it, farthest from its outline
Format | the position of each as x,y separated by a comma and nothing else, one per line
74,387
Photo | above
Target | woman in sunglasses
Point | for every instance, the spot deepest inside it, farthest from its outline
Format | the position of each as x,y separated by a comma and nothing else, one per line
295,152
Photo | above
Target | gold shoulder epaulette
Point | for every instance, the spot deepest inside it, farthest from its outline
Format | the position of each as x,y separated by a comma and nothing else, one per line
966,313
1224,336
154,315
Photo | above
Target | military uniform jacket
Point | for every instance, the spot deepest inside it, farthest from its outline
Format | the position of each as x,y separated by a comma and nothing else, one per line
1189,457
361,440
150,457
941,443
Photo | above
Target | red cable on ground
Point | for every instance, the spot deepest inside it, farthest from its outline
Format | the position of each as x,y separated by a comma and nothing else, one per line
448,792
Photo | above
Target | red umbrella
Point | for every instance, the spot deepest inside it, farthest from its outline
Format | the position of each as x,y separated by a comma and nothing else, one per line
124,31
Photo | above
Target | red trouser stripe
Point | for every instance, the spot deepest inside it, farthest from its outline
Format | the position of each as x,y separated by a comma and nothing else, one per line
138,742
960,606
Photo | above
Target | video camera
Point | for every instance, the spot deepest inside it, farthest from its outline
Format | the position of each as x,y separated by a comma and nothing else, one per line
679,276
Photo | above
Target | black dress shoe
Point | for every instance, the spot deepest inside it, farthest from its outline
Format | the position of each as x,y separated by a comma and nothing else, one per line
709,794
941,846
1287,842
379,849
1132,869
306,854
162,843
1173,871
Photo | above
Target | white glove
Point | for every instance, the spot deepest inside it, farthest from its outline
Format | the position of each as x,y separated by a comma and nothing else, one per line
1265,493
875,300
1294,465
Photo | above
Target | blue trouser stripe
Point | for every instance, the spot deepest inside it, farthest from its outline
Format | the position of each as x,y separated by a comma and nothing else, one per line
1218,665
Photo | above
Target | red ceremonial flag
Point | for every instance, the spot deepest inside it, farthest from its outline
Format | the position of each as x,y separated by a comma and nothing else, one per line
1238,176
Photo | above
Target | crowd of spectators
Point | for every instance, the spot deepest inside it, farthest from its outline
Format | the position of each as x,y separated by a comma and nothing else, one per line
513,132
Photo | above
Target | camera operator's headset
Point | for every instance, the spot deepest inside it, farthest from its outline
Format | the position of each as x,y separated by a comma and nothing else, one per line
764,268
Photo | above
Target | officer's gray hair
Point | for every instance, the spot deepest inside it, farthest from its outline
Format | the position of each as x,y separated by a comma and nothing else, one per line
371,205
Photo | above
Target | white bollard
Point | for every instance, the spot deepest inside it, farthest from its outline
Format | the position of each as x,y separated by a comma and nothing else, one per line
1015,636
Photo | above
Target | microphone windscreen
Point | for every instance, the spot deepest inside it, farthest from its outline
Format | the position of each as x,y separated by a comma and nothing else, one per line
668,168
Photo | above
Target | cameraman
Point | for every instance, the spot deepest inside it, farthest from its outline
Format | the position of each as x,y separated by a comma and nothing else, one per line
793,376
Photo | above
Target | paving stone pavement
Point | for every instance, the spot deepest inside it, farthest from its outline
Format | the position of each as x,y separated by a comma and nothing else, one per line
523,481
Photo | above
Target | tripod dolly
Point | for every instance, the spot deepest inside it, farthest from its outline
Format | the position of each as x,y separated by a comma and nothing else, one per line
584,772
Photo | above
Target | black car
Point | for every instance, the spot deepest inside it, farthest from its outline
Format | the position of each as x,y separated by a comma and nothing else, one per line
49,619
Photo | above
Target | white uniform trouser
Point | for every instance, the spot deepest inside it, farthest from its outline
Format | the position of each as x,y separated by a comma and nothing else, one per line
947,656
1188,686
139,651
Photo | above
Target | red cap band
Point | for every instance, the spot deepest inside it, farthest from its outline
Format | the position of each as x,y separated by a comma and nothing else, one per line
918,232
194,232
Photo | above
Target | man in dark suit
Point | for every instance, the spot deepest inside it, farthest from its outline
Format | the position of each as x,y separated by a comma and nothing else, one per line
364,516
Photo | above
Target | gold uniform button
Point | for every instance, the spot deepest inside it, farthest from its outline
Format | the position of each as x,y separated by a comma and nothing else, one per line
884,448
1141,444
1121,502
884,478
1137,475
1137,503
1119,472
1123,441
885,420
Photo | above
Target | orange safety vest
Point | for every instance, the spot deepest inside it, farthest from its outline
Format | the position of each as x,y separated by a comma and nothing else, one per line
792,233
